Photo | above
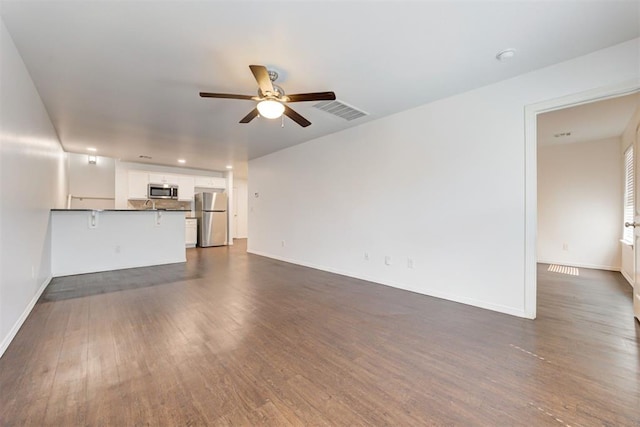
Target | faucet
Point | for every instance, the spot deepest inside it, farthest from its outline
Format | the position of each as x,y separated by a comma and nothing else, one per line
153,203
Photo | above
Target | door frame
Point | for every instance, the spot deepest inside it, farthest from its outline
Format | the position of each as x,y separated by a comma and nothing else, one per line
531,175
235,209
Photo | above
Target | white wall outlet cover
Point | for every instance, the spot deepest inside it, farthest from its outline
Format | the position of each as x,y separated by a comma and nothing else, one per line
387,260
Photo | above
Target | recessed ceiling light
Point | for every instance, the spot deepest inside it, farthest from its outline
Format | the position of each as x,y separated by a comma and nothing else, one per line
229,167
562,134
506,54
92,149
182,161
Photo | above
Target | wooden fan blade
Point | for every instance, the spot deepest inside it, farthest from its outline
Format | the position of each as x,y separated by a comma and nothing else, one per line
316,96
252,115
262,77
224,95
296,117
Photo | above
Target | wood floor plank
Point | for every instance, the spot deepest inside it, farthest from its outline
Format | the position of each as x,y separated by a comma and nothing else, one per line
230,338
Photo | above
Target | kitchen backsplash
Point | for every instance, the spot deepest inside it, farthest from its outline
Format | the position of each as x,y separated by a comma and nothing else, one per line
160,204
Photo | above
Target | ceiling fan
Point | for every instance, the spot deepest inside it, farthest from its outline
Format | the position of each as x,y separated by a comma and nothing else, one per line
272,101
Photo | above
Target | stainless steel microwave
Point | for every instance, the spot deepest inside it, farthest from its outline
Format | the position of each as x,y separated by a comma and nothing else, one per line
162,191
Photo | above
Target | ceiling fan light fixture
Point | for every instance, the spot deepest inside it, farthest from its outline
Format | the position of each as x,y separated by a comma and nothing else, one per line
270,109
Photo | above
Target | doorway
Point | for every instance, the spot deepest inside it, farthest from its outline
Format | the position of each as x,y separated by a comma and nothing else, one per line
532,114
240,209
581,197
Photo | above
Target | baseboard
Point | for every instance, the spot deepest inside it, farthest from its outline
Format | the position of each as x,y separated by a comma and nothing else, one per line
16,327
626,276
580,265
442,295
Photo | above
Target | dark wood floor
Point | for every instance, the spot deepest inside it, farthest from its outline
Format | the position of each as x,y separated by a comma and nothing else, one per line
235,339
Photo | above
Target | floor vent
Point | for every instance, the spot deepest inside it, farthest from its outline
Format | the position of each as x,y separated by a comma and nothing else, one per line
563,269
340,109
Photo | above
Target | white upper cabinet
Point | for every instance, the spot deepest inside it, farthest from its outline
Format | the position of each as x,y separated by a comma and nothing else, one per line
210,182
139,180
138,185
163,178
186,186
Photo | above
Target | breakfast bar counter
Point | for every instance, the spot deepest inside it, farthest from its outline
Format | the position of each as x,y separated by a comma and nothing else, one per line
88,241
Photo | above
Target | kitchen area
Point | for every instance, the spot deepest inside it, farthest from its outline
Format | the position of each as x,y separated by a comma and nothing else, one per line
204,199
125,214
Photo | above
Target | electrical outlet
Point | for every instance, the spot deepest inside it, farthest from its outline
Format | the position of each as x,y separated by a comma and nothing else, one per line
366,256
409,263
117,249
283,244
565,246
387,260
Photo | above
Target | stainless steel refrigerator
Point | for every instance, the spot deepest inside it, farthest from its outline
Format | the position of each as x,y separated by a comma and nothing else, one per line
211,211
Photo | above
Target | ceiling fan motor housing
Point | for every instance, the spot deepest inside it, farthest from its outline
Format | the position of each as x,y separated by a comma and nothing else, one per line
278,93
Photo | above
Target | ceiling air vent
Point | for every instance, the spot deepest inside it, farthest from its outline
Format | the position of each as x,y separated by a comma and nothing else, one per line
340,109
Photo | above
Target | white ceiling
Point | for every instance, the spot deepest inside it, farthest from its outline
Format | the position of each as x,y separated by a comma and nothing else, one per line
124,76
588,122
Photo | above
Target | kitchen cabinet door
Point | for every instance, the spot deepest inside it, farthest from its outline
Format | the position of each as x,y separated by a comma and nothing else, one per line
219,182
210,182
137,185
203,182
186,186
160,178
191,232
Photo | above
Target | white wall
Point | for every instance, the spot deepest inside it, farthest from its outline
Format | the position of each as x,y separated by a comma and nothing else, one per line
32,181
442,184
580,204
628,138
92,180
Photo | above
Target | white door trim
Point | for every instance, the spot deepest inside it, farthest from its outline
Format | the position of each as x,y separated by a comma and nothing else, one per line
531,164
